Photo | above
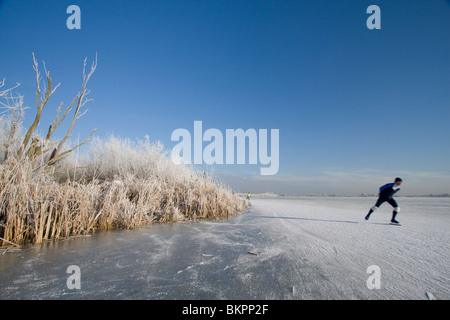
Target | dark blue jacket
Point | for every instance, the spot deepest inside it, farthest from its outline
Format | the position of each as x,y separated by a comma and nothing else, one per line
388,190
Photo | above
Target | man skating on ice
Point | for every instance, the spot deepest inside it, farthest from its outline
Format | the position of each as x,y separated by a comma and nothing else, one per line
386,195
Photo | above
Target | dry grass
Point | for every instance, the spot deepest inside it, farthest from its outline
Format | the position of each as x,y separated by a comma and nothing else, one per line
35,206
115,183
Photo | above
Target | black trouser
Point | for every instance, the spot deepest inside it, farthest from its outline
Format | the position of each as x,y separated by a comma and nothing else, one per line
382,200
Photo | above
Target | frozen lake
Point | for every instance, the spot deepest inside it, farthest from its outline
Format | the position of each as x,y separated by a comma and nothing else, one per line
303,248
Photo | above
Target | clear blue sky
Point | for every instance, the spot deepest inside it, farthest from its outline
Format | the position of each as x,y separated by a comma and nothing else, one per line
354,106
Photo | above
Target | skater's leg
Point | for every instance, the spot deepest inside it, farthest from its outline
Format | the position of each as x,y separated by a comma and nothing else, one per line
394,204
394,214
375,207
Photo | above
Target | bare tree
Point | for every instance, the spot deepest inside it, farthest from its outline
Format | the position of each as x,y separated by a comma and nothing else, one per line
36,147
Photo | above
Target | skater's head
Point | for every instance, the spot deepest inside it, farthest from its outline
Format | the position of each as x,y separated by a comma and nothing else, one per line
398,181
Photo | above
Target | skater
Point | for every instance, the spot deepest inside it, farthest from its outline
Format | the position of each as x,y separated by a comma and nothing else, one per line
248,196
386,195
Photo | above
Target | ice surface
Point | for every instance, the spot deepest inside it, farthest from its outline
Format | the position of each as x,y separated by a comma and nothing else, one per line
304,248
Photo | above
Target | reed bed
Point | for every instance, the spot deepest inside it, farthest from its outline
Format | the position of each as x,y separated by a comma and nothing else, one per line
77,197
